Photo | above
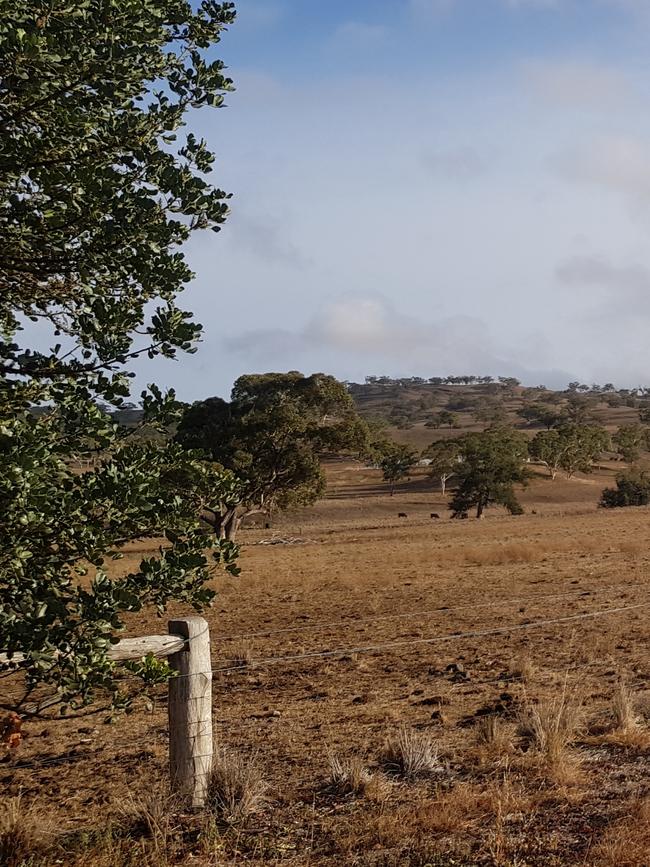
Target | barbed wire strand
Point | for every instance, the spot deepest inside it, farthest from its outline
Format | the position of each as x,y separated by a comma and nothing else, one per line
454,636
352,620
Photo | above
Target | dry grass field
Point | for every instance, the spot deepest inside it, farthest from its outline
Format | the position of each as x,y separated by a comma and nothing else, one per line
463,710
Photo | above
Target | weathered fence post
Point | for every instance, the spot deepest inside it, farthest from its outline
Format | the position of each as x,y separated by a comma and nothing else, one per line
190,710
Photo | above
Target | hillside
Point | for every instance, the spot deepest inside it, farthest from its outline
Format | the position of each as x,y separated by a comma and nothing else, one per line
419,411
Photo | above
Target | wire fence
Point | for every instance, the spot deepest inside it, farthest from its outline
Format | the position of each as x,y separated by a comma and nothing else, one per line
242,724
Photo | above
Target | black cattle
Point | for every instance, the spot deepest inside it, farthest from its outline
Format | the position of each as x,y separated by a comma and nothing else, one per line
402,515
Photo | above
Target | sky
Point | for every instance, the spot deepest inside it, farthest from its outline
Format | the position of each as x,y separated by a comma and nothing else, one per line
428,187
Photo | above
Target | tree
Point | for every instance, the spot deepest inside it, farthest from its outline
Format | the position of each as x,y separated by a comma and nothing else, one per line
547,447
445,417
632,489
99,187
490,464
444,457
579,409
395,461
570,447
629,439
271,435
539,413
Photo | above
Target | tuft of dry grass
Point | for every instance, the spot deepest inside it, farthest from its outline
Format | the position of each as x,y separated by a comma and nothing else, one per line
625,718
24,834
550,726
242,654
626,843
411,755
236,788
154,815
522,668
492,737
348,776
628,729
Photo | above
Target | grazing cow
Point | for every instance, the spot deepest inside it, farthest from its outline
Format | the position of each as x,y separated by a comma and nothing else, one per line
402,515
435,515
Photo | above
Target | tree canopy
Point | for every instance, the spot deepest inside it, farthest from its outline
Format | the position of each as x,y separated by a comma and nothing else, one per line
444,456
632,489
271,435
490,464
99,187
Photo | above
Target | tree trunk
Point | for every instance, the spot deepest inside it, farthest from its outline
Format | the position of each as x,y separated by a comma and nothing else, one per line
231,526
479,509
443,484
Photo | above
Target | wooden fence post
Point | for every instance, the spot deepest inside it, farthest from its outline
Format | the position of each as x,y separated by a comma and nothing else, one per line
190,710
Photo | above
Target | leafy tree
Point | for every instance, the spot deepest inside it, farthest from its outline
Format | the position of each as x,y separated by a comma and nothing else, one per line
490,464
395,461
490,410
579,409
271,435
632,489
448,419
444,457
571,448
644,414
539,413
98,188
629,439
547,447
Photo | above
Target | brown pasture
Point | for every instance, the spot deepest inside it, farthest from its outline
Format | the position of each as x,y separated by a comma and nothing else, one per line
389,603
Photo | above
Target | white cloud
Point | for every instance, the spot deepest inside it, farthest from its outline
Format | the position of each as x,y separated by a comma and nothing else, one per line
625,287
573,83
617,163
366,332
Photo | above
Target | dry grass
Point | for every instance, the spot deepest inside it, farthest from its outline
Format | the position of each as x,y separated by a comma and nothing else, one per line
367,563
628,729
242,654
627,843
154,815
411,755
236,788
348,776
24,832
550,726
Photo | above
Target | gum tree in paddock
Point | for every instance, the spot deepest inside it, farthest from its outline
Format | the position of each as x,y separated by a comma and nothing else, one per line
100,185
490,464
271,435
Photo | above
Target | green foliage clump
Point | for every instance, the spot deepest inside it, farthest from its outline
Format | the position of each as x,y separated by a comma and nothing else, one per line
490,463
271,435
632,489
569,447
99,187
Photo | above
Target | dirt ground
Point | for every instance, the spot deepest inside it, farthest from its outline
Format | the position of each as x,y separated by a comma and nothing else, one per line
388,602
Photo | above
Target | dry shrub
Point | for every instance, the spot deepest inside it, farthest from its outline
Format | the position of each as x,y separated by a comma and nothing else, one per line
411,755
550,727
348,776
236,788
24,833
627,843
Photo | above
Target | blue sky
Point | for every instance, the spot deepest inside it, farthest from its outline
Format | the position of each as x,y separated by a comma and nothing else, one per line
423,187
